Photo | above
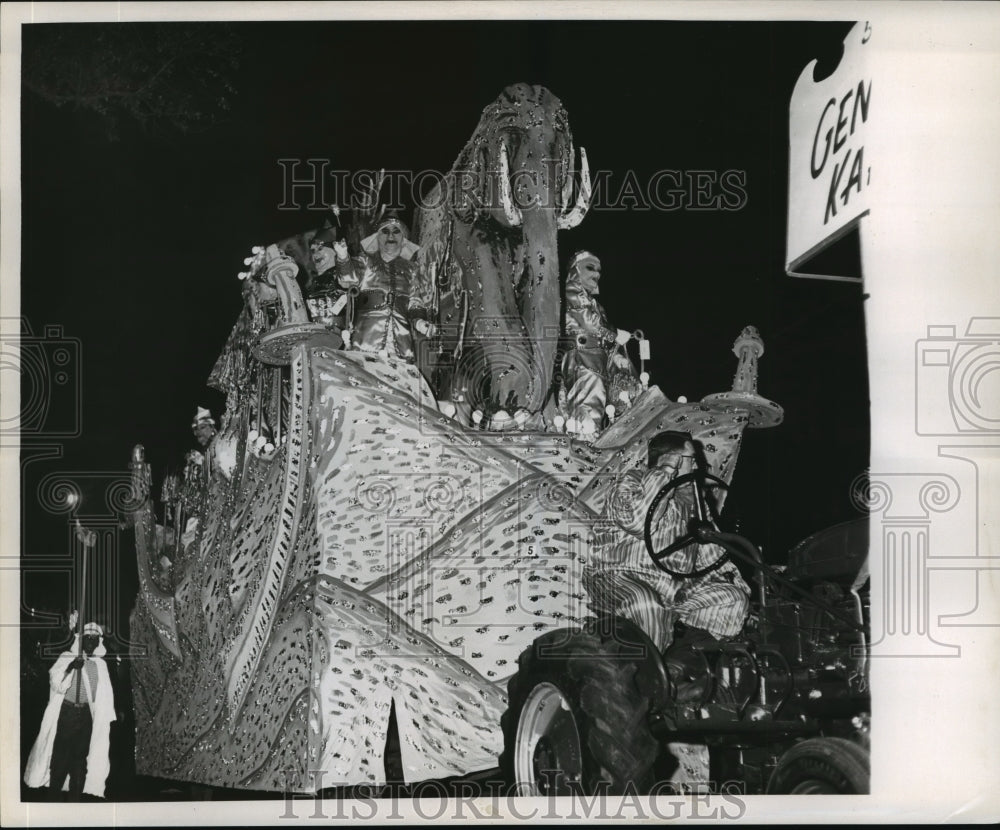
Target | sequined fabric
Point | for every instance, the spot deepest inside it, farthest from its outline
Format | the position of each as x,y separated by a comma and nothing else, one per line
390,294
232,370
499,306
585,364
383,556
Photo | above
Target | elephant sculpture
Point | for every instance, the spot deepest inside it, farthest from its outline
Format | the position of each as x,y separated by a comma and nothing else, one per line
488,237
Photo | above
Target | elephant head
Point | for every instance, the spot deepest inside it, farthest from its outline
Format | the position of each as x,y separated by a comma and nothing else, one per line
488,233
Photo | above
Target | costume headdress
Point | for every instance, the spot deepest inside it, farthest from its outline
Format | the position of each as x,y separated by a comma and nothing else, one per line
579,256
390,217
326,235
201,416
576,295
94,629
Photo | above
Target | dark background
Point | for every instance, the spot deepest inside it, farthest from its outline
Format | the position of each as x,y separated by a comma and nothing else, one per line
132,245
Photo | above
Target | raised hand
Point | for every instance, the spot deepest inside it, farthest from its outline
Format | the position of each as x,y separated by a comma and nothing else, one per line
427,329
368,199
86,536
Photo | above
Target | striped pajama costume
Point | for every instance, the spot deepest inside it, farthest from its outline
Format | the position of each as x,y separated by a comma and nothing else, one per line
621,579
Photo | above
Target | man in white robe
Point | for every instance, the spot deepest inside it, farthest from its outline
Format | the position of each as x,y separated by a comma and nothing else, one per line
72,750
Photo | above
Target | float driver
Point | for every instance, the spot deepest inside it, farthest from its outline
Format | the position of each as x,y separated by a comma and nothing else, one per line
623,581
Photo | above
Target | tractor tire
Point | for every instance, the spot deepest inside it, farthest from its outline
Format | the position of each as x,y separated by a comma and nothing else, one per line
576,721
822,766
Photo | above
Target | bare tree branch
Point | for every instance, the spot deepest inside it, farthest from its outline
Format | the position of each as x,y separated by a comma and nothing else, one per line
164,74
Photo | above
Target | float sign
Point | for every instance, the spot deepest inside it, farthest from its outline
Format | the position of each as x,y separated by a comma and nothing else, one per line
829,172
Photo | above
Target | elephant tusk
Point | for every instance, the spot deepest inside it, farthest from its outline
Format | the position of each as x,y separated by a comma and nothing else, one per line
506,197
575,216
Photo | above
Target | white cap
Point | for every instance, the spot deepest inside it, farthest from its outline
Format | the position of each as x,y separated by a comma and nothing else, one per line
579,256
202,415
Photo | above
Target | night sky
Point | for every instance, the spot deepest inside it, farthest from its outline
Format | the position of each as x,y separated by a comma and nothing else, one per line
132,246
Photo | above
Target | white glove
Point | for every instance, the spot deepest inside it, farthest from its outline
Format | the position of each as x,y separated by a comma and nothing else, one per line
623,337
340,247
425,328
621,361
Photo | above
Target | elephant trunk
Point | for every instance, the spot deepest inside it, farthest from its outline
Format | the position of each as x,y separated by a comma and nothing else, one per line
539,300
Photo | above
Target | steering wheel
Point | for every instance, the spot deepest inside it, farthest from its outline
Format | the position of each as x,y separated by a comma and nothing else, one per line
706,518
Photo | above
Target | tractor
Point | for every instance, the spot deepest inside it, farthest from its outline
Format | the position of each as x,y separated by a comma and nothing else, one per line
781,708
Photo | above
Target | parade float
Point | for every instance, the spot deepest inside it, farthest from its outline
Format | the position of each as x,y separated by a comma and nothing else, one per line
364,540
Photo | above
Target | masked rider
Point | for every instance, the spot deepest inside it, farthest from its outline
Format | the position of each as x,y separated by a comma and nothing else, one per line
324,297
392,296
592,343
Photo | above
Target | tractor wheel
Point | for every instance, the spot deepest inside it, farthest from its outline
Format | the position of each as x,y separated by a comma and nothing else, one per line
822,766
576,721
